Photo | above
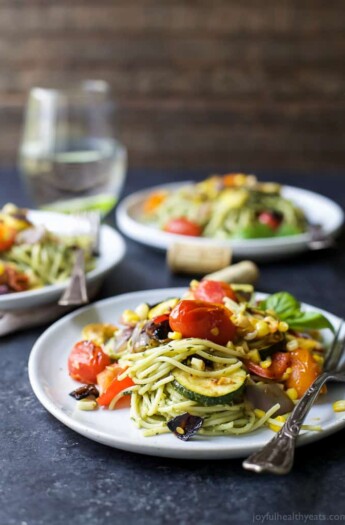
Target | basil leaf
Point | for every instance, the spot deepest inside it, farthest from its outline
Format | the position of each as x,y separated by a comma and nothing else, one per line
288,309
283,304
309,320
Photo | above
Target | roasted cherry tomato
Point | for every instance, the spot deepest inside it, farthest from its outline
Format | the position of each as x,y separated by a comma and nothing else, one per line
109,384
7,237
304,371
280,362
213,292
183,226
258,370
271,219
86,360
204,320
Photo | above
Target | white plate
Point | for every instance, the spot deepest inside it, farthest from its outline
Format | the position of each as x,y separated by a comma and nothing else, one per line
112,250
51,384
317,208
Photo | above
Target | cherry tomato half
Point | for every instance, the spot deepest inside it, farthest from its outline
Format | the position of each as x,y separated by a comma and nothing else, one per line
7,237
204,320
213,292
271,219
109,384
183,226
86,360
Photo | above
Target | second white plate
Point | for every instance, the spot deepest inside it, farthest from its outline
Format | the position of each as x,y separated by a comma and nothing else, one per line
112,251
317,208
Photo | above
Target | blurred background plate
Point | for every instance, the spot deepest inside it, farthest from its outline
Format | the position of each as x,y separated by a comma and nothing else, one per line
317,208
112,251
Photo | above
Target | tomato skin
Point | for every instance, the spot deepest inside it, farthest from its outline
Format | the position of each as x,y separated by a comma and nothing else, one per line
304,371
257,370
204,320
183,226
280,362
86,360
270,219
213,292
7,237
110,385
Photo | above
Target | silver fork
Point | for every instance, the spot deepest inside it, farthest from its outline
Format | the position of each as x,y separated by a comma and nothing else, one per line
319,240
76,291
278,455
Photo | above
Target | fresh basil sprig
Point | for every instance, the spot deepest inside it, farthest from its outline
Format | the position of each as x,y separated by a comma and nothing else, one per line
288,309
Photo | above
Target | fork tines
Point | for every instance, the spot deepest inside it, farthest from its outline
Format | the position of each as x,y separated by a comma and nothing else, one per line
336,350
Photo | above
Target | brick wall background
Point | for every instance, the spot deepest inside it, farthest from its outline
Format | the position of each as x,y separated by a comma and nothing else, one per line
244,84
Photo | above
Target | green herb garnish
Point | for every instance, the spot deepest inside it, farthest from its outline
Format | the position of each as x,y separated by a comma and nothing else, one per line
288,309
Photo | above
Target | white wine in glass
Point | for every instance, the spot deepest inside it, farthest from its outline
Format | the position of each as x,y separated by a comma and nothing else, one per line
69,157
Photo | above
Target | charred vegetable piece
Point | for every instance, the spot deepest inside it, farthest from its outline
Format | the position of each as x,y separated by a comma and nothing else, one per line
185,425
159,328
272,344
84,391
264,396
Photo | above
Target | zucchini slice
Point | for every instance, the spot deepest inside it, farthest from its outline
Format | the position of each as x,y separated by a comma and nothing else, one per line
208,391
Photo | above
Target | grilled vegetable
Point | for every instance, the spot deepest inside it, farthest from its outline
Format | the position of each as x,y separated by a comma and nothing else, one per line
210,391
204,320
86,360
84,391
185,425
265,395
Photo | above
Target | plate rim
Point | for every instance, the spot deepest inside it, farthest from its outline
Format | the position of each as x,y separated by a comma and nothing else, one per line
14,301
150,448
127,224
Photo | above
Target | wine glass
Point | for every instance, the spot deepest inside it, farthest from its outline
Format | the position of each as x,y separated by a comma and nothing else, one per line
69,157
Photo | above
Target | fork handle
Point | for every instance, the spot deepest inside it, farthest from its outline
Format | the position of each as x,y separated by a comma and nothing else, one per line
76,291
278,455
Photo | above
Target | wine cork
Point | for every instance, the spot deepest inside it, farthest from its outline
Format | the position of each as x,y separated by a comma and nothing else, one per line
197,259
245,272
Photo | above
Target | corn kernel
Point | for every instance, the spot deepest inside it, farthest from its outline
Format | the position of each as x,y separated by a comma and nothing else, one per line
193,284
319,359
254,356
276,428
242,321
180,431
176,336
286,374
87,404
250,336
197,364
266,363
262,328
129,317
292,393
142,311
259,413
292,345
339,406
283,327
272,322
308,344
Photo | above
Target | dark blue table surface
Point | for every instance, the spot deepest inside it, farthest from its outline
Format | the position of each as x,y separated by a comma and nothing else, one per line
49,475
